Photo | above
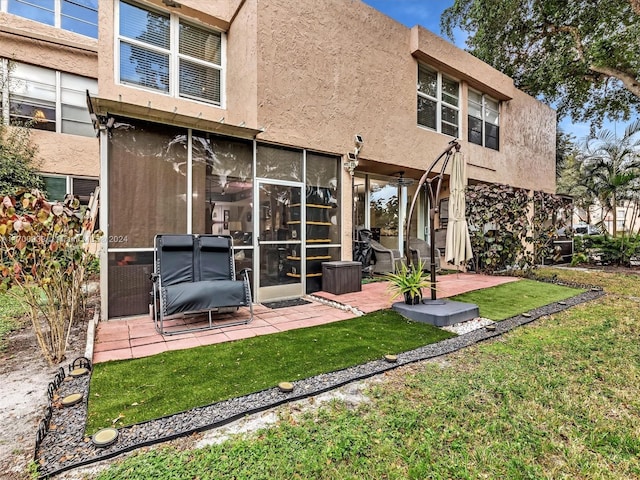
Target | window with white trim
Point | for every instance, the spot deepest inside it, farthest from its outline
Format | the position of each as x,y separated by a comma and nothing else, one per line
47,99
163,52
438,101
484,120
79,16
57,186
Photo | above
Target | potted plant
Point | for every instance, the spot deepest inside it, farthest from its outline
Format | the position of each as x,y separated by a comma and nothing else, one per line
409,282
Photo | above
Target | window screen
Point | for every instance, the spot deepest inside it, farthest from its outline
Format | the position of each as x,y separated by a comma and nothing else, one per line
144,48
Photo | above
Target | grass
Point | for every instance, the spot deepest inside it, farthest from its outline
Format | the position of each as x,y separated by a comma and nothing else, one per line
11,312
122,394
142,389
505,301
559,398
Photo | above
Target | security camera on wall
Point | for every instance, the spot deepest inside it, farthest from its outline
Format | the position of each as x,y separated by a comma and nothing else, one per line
359,141
352,156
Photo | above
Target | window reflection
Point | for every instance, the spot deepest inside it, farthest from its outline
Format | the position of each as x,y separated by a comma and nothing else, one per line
383,205
223,188
279,163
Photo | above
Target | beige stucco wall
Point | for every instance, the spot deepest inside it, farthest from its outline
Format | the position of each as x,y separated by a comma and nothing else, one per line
311,77
67,154
108,87
32,42
346,68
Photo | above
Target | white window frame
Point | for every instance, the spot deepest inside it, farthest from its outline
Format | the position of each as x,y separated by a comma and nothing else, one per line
440,103
483,117
174,55
57,16
5,94
69,180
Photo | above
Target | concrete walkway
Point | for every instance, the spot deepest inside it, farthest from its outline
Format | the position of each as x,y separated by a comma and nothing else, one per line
135,337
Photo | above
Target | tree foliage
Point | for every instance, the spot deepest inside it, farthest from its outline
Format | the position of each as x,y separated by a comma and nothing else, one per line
17,161
582,56
566,149
611,167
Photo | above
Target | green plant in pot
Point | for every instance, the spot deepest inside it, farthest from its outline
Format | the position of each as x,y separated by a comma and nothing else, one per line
409,282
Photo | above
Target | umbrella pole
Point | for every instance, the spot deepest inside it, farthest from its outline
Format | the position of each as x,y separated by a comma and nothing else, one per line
433,206
432,245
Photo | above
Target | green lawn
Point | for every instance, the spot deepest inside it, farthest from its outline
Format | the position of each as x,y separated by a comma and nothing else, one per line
559,398
510,299
133,391
152,387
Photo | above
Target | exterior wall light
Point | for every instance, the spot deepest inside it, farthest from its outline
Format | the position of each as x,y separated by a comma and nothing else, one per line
352,157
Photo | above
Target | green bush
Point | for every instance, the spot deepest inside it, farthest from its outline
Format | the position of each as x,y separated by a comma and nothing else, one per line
43,256
606,249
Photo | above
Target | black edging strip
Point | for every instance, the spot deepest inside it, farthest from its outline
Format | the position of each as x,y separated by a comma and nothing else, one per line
342,377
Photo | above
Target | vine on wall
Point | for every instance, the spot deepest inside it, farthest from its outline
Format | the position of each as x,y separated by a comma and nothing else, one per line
504,222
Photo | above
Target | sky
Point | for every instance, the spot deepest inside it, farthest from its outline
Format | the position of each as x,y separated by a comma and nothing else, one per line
427,13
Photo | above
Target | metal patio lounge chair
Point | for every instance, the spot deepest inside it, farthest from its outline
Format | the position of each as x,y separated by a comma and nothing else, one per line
196,274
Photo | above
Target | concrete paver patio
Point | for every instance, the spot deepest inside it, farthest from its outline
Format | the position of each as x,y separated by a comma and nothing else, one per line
135,337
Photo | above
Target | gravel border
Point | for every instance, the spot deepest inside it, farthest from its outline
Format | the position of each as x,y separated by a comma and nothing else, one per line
65,447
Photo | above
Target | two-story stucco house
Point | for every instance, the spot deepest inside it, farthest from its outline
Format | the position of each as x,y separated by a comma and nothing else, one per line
238,117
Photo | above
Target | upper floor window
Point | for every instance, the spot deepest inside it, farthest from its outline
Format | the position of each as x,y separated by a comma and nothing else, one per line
163,52
47,99
484,120
438,101
79,16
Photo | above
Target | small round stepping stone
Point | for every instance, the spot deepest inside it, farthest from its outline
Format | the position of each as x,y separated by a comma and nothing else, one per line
526,315
72,399
391,358
285,387
78,372
104,437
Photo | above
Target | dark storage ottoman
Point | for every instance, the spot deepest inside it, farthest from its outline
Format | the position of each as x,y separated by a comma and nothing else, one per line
341,277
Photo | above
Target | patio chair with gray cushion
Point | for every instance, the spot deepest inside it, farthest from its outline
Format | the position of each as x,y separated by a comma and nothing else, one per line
387,260
421,251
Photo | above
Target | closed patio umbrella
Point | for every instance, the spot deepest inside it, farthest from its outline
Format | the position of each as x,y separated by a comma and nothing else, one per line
458,247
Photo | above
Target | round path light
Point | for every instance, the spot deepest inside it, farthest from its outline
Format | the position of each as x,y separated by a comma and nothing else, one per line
491,327
285,387
526,315
72,399
79,372
391,358
104,437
